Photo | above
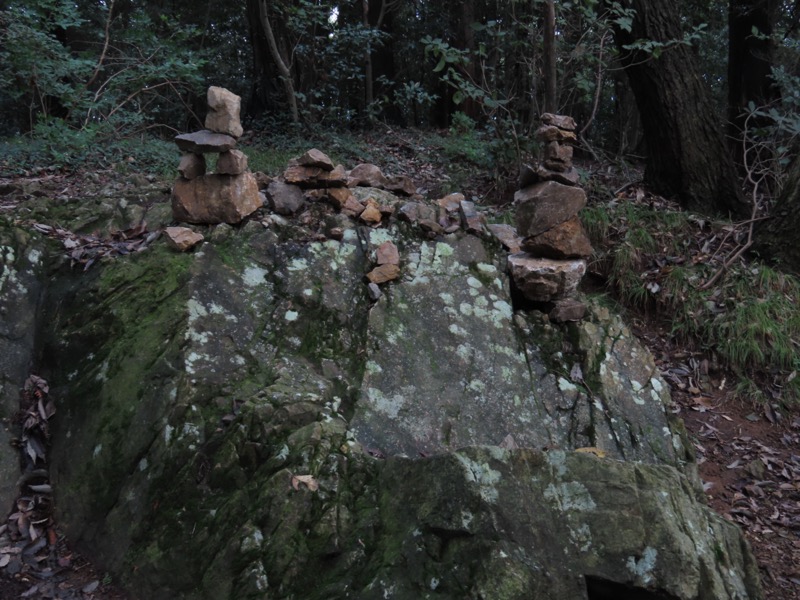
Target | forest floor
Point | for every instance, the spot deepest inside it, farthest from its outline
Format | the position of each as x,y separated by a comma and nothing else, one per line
748,454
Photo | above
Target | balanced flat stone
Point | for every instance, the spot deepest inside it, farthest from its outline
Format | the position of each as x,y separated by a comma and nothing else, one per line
560,121
544,205
316,158
213,199
544,279
565,240
205,141
223,115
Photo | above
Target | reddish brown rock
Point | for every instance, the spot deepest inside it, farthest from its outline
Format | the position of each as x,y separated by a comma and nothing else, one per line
371,215
338,196
452,202
413,212
529,175
215,199
471,220
316,158
542,206
223,115
560,121
192,165
182,238
204,142
387,254
366,175
315,177
507,235
352,207
401,185
232,162
561,153
384,273
565,240
544,279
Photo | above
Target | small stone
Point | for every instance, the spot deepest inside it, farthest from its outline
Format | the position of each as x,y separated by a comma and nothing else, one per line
560,121
387,254
413,212
315,177
451,202
471,220
549,133
366,175
336,233
223,116
544,279
371,215
204,142
192,166
529,175
352,207
431,226
284,199
544,205
561,153
232,162
401,185
507,235
338,196
316,158
565,240
384,273
262,179
182,238
374,292
567,310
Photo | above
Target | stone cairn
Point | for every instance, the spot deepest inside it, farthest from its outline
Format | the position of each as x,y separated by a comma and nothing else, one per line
230,193
554,245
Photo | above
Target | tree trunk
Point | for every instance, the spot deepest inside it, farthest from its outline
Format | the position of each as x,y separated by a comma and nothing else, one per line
776,238
687,156
281,63
550,72
750,60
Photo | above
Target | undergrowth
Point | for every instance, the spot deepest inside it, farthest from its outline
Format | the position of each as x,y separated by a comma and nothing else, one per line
657,260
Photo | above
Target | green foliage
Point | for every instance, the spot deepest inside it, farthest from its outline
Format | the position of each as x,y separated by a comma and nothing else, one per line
749,319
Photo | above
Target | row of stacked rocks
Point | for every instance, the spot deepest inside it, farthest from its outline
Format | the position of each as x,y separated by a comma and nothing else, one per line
230,193
554,245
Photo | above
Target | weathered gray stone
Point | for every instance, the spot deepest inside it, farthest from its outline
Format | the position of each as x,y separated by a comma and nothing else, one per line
567,310
413,212
545,279
544,205
215,198
565,240
223,115
232,162
471,220
182,238
560,153
316,158
192,165
204,141
366,175
284,199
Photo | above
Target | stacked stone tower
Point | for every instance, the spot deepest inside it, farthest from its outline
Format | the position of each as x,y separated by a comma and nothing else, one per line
554,243
230,193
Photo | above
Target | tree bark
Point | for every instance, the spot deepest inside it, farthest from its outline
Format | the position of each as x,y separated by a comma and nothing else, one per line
776,238
687,156
281,63
750,59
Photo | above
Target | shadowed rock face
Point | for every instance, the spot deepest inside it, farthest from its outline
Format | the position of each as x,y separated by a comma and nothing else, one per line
246,422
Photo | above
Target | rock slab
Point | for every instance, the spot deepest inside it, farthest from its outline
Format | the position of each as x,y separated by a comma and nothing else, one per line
215,199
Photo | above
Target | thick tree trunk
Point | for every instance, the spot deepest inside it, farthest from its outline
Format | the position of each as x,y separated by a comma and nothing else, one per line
776,238
750,60
687,155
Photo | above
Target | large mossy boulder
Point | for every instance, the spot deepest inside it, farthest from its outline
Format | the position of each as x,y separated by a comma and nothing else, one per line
246,421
